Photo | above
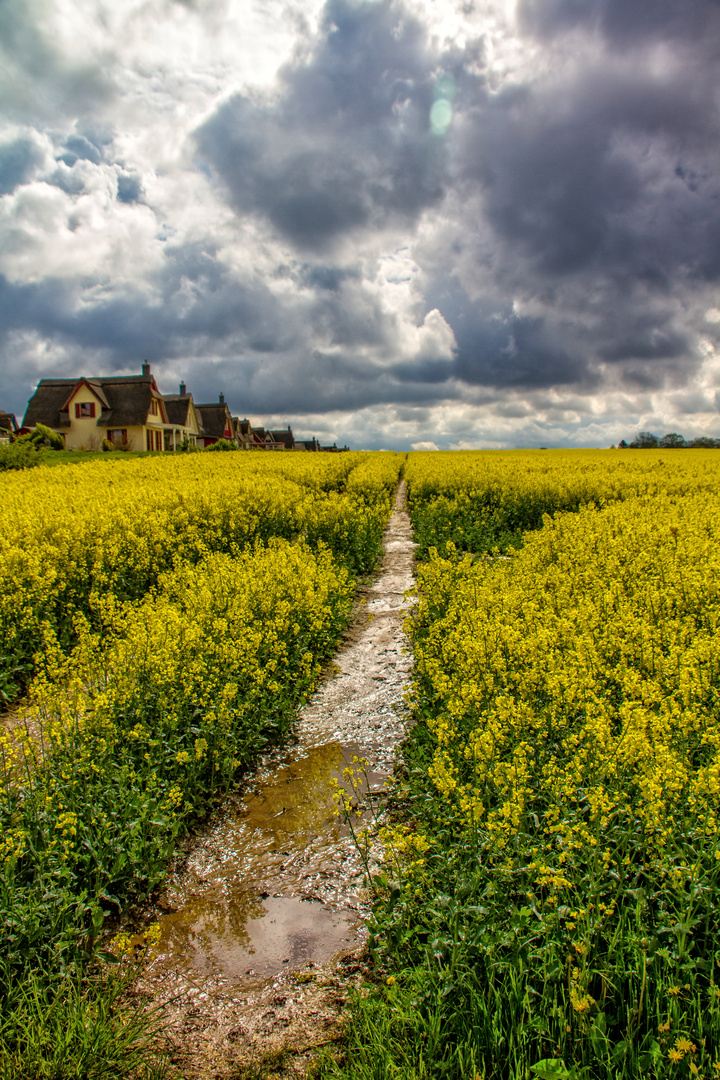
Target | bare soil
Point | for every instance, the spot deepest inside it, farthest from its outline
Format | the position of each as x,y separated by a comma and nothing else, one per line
262,920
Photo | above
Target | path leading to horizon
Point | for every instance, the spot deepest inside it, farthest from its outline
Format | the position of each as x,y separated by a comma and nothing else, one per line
263,921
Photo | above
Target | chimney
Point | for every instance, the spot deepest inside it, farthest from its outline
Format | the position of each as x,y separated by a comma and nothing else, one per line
146,368
183,389
222,399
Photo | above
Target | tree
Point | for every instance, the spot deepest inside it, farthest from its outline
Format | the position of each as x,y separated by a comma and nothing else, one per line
672,441
645,440
703,442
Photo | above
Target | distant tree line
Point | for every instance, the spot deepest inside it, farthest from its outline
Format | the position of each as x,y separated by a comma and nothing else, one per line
645,440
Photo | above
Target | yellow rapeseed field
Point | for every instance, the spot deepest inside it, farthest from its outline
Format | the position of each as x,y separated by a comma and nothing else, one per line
167,616
72,537
564,772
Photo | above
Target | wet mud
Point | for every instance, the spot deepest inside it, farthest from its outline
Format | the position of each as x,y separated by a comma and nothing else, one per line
262,923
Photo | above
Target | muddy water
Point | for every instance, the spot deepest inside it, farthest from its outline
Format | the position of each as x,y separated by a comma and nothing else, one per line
274,884
272,888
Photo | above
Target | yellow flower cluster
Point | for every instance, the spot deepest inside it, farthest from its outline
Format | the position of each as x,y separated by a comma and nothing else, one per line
139,727
567,697
75,536
583,671
483,500
558,478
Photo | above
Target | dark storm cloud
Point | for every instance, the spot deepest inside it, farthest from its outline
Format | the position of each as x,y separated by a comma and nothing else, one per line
347,144
42,306
263,351
18,161
600,185
498,348
647,336
324,277
314,383
161,323
129,188
77,147
596,189
199,307
624,23
592,173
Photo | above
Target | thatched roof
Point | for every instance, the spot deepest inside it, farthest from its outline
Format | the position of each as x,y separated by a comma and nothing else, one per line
285,436
177,407
124,401
46,404
215,419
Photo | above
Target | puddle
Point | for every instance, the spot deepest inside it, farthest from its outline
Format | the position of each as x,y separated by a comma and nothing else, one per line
274,883
257,939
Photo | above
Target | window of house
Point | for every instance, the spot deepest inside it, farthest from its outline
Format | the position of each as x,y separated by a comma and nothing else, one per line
118,436
153,407
84,409
158,440
150,439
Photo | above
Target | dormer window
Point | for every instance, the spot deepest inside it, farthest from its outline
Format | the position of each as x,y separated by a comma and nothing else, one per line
85,410
153,407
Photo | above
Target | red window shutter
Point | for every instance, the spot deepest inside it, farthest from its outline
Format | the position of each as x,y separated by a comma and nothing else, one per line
77,412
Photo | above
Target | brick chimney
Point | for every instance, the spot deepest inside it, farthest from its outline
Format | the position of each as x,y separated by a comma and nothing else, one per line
146,368
222,399
183,389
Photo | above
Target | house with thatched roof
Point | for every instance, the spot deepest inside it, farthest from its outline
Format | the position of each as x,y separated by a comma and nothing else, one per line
216,422
182,413
283,439
262,439
127,410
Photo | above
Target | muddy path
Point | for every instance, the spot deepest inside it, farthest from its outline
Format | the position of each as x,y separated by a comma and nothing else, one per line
263,919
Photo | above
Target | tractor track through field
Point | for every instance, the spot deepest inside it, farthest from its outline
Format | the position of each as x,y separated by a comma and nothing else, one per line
263,918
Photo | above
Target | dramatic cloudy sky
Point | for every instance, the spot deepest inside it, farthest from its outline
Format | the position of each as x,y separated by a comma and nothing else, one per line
387,222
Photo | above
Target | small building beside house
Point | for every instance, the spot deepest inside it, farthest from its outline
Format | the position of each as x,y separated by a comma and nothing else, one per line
262,439
283,439
216,423
243,433
183,415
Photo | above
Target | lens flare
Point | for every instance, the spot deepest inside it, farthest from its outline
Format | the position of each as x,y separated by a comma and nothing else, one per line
440,116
